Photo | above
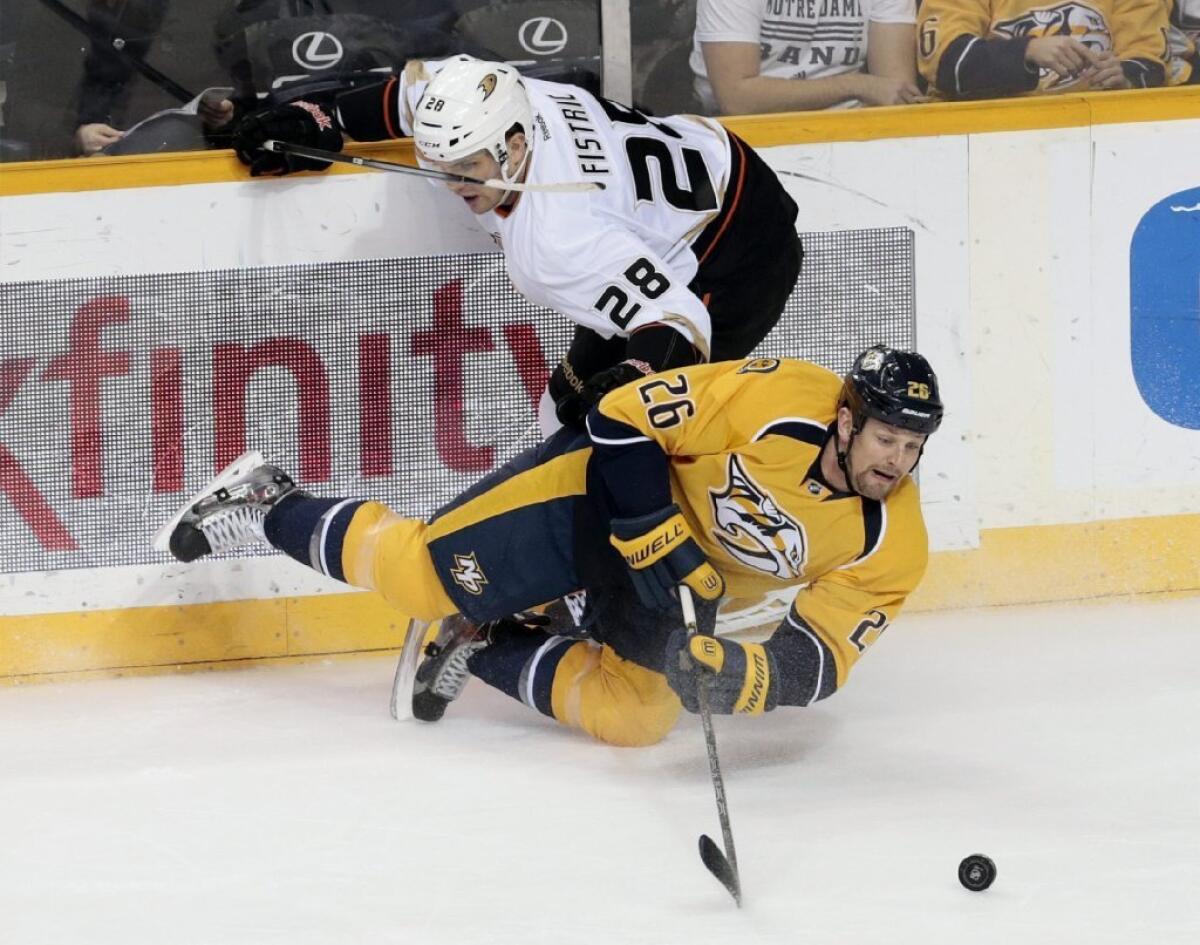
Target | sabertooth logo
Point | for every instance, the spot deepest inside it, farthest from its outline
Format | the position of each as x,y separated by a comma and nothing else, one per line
1077,21
750,526
468,574
487,85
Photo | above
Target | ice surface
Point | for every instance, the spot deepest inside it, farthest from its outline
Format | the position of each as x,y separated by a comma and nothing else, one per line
282,804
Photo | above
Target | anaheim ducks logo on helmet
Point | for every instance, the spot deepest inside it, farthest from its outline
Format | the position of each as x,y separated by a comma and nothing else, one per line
487,85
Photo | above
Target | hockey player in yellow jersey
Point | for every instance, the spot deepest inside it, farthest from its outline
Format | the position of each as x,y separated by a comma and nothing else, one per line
731,478
991,48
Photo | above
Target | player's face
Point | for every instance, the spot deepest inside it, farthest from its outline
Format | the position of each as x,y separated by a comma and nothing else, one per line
482,166
880,456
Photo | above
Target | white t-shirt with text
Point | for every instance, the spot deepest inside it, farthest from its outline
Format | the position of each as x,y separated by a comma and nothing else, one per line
798,39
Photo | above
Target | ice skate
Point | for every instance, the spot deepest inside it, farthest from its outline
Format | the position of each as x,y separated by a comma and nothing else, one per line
227,513
443,673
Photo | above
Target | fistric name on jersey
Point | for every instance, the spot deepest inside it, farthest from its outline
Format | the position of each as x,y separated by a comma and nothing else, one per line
589,151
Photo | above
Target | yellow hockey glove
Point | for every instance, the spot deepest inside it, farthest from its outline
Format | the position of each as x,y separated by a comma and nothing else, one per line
661,553
740,677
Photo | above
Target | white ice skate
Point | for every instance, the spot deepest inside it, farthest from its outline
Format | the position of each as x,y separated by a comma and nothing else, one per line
227,513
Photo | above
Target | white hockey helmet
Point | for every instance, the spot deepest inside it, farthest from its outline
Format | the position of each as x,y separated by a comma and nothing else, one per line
469,106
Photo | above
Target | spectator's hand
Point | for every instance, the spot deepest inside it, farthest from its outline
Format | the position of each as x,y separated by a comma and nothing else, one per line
305,123
89,139
884,90
1062,55
215,113
1106,72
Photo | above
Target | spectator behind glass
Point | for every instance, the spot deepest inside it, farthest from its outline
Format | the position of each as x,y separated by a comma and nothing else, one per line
283,48
753,56
994,48
104,88
1183,68
277,48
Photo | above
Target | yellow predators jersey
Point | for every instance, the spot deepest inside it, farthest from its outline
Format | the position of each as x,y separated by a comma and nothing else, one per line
742,440
974,48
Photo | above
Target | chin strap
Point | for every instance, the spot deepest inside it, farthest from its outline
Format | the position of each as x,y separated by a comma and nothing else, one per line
843,454
513,178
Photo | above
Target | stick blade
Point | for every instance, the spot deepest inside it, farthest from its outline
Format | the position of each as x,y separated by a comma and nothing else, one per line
720,867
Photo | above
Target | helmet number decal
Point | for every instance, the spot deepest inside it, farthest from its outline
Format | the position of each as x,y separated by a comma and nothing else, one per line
614,302
918,390
434,104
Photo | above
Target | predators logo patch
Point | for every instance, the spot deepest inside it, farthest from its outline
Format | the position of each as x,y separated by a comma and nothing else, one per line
750,526
487,85
1076,20
468,574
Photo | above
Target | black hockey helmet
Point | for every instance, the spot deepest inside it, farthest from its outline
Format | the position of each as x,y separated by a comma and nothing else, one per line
896,387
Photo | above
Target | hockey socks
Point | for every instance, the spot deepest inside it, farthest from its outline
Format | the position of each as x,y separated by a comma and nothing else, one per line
582,685
523,665
312,530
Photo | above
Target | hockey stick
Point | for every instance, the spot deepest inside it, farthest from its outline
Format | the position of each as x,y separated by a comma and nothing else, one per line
336,157
721,865
117,45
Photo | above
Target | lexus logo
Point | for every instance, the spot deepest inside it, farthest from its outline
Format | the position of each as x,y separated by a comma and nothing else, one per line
317,51
543,36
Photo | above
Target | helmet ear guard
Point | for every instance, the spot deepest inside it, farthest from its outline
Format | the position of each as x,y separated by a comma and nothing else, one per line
472,105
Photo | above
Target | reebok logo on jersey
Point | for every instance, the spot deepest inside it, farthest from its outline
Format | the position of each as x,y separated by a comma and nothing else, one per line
468,574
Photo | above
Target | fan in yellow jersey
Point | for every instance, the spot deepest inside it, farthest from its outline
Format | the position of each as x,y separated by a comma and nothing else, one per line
988,48
732,477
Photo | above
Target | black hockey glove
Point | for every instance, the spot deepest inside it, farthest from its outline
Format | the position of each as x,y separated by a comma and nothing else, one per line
740,677
661,553
299,122
573,409
523,621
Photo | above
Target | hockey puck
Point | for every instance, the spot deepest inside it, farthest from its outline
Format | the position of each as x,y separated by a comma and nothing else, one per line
976,872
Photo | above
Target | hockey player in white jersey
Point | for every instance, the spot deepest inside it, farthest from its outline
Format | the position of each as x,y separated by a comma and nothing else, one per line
687,254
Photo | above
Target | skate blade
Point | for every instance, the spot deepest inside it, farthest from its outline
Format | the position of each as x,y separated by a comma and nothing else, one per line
406,670
235,470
